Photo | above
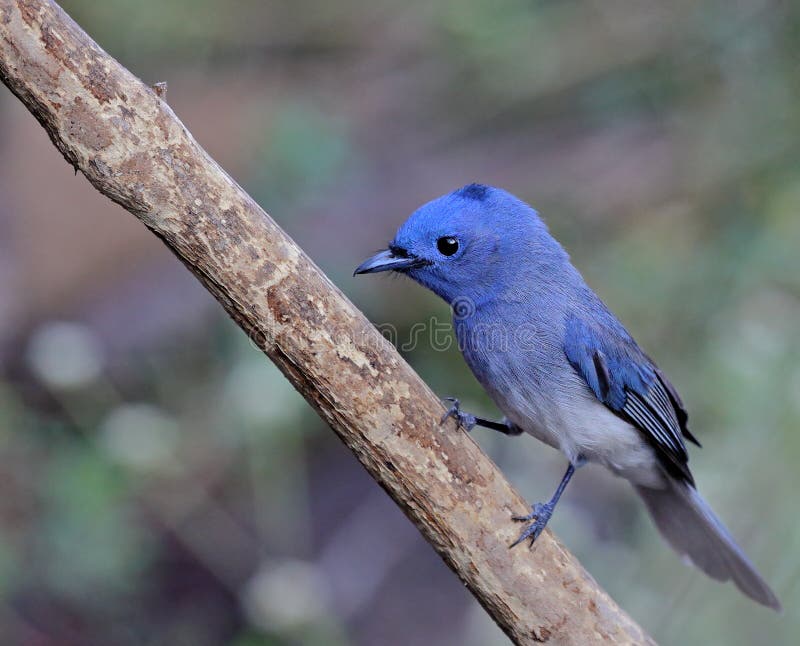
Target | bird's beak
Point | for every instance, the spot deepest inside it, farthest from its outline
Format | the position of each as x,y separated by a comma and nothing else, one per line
387,260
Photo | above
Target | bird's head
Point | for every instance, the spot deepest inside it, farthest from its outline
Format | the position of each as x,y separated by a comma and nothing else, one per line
470,243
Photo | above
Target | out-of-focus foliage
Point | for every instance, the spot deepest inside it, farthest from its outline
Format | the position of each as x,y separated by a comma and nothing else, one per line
161,482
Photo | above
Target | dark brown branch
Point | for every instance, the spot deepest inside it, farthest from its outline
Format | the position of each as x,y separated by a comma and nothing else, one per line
128,143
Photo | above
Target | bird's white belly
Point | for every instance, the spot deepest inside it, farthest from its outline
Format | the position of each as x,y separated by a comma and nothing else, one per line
582,427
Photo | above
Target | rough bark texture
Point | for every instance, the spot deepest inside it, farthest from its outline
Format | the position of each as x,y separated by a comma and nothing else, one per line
128,143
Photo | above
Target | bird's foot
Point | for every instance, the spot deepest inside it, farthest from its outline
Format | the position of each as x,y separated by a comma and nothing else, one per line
465,420
540,514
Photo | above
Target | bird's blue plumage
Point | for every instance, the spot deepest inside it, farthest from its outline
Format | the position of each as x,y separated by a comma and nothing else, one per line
559,364
587,345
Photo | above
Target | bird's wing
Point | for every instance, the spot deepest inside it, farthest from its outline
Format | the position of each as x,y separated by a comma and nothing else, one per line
624,379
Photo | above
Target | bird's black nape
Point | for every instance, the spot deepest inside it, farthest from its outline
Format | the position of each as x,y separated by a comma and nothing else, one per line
474,191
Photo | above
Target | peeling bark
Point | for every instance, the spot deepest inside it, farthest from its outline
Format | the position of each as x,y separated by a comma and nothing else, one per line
130,145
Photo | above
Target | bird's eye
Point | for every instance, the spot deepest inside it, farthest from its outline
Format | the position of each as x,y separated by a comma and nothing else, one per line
447,245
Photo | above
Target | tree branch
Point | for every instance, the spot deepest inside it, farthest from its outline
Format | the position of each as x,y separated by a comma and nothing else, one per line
130,145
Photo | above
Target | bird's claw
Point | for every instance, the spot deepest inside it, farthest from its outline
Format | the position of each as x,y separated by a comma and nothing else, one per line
465,420
540,515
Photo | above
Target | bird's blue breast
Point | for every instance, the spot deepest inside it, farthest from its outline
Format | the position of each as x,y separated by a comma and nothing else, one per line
514,354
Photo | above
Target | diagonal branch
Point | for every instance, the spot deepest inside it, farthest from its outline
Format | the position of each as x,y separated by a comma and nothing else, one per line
129,144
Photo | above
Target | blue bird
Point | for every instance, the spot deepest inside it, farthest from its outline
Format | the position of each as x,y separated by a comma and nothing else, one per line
560,366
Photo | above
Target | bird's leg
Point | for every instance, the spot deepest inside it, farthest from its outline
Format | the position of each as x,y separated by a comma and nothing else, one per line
468,421
541,512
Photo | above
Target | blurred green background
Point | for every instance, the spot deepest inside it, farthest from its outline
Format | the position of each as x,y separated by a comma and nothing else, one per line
162,484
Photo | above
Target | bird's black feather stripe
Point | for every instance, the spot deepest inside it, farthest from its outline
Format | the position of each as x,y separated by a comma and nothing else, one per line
666,438
677,406
603,376
665,420
644,416
665,408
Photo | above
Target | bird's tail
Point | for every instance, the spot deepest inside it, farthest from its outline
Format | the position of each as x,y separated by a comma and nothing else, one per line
693,530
